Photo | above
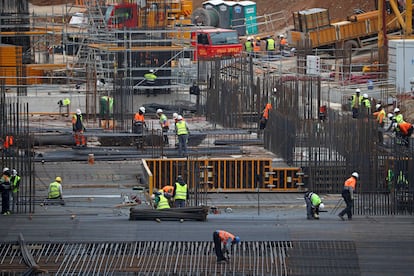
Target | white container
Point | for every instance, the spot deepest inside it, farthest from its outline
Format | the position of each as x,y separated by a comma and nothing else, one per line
401,64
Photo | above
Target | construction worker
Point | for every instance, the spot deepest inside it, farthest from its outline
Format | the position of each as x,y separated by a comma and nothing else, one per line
181,128
227,239
165,125
313,205
348,195
78,129
15,184
8,143
282,43
356,103
139,121
270,46
161,202
257,47
265,116
365,104
55,189
64,103
150,79
168,191
380,116
195,89
5,192
180,193
402,181
398,117
248,45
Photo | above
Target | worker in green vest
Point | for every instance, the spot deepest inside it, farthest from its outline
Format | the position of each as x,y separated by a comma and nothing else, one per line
161,202
181,128
65,103
313,205
55,189
14,183
150,79
180,193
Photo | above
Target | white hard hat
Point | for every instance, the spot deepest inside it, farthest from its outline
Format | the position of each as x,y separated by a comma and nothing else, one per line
396,110
377,106
321,206
281,35
142,109
5,170
14,172
179,117
358,90
175,115
151,71
390,115
159,110
249,38
78,111
355,174
365,95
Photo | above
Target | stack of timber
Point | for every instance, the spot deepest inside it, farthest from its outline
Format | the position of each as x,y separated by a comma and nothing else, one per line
187,213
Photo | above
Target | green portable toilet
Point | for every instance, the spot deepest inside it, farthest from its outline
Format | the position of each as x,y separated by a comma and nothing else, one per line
244,18
225,11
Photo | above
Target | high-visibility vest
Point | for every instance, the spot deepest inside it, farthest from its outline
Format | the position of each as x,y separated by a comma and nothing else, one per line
266,111
225,236
404,127
150,77
270,44
356,102
181,127
366,103
77,124
164,121
380,116
66,102
181,191
54,188
15,182
139,117
399,118
315,199
350,183
248,46
8,141
163,203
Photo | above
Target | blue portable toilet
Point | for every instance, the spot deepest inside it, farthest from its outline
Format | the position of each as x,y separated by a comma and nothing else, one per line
244,18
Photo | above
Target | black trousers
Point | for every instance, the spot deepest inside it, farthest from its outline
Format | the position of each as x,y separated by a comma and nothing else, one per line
5,201
217,246
346,195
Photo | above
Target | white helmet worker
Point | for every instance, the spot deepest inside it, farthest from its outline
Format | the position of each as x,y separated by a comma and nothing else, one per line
390,115
396,110
159,110
281,36
377,106
6,170
179,117
365,95
142,109
175,115
355,174
78,111
358,90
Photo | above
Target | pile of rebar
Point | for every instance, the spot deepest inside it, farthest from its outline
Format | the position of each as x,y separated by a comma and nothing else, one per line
187,213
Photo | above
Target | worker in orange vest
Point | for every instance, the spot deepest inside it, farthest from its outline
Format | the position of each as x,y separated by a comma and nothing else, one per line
139,121
227,239
348,195
265,116
380,115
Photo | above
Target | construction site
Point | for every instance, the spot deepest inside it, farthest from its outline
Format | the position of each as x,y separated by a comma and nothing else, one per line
93,56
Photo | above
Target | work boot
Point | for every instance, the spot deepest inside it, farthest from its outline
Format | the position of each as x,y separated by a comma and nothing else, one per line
341,217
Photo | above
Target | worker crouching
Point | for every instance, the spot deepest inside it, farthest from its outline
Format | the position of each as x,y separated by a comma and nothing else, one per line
313,205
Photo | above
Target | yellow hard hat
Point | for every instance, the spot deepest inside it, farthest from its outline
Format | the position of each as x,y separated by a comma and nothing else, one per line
58,179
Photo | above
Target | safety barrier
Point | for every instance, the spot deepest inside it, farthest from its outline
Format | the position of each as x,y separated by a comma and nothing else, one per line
223,175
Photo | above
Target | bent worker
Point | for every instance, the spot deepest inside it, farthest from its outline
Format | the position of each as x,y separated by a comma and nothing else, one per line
78,129
227,239
348,195
161,202
313,205
55,189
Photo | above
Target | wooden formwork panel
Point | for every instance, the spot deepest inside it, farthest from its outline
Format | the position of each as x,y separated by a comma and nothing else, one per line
10,55
225,175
